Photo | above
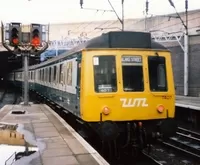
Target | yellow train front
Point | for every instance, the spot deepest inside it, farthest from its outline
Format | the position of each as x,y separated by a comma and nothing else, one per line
127,88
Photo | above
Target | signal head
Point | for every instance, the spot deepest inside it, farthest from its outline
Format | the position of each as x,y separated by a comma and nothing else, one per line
15,34
35,34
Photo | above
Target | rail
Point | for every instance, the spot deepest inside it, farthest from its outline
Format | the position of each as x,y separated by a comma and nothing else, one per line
188,133
185,141
180,149
151,158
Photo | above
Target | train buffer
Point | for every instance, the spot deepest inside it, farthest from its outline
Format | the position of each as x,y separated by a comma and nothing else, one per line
57,141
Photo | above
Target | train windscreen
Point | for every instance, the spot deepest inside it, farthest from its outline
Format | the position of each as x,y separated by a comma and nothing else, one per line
105,77
132,73
157,73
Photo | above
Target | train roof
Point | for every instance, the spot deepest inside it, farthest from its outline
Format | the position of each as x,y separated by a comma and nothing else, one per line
123,39
114,40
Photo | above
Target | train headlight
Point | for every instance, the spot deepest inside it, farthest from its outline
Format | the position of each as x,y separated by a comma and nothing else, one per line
160,108
106,111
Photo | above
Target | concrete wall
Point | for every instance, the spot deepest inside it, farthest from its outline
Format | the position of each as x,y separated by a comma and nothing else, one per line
194,66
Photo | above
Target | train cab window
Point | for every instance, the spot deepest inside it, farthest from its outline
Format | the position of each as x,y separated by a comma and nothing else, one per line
105,78
132,73
157,73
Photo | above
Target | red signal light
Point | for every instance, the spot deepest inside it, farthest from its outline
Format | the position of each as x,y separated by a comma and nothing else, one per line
35,41
15,41
14,36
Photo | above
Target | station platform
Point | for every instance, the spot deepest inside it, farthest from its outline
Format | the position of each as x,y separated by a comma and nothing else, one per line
57,142
188,102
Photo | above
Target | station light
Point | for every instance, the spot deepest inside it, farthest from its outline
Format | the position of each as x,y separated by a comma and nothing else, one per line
15,34
36,31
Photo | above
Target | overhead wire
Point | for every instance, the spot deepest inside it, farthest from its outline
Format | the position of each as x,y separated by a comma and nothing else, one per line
97,31
175,24
84,26
160,23
109,23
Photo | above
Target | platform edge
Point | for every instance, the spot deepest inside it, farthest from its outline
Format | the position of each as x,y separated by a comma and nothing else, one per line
89,148
188,106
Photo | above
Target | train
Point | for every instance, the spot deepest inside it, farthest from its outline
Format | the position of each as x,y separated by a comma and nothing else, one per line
120,84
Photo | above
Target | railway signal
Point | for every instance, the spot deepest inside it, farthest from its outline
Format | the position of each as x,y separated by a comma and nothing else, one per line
14,34
28,44
36,31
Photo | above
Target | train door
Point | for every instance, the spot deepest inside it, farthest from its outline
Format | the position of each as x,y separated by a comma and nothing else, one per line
72,85
78,84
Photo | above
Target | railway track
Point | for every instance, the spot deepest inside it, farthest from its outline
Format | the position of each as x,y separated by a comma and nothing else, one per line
188,134
186,142
183,148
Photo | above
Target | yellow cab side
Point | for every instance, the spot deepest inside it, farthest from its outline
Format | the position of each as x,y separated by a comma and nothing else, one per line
147,102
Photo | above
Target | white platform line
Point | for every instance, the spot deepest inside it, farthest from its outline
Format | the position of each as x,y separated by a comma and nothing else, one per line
87,146
188,106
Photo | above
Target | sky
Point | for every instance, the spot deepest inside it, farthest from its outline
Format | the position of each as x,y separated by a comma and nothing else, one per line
65,11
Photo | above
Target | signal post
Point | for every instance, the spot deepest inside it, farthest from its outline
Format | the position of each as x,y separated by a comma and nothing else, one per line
34,42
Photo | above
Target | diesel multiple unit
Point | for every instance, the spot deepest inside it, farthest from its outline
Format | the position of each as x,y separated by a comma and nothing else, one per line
120,84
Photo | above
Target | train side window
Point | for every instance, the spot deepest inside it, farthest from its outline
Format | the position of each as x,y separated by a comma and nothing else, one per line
50,74
61,74
54,74
47,74
37,76
33,75
132,73
64,73
157,73
42,74
105,78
